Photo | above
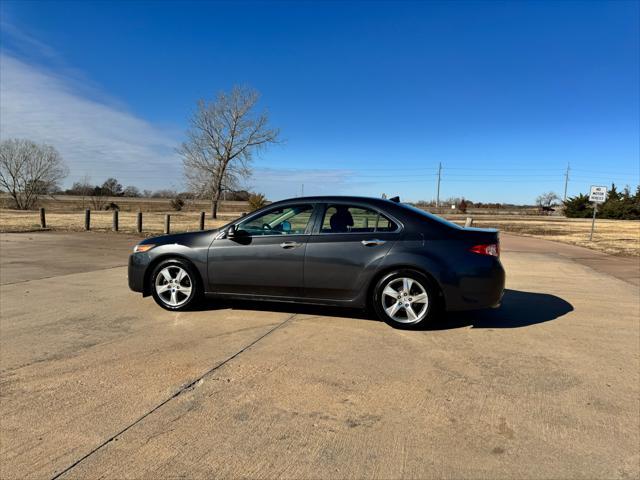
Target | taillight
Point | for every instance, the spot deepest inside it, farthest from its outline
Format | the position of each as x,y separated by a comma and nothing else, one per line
492,249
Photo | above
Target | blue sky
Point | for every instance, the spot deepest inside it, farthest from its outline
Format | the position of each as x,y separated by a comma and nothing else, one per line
369,97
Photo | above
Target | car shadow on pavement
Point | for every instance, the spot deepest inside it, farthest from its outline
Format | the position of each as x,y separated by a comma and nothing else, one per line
518,309
284,307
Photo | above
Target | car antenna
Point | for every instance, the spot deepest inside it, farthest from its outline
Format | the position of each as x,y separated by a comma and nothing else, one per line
395,199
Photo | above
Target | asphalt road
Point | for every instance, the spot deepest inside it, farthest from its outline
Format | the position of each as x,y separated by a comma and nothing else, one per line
97,382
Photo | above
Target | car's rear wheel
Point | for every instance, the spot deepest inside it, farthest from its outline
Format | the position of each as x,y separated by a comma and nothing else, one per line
174,285
405,299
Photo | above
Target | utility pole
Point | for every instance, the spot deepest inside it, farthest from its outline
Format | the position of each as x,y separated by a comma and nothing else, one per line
302,191
566,182
438,189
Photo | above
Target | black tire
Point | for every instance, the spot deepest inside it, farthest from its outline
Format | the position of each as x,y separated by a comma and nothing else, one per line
420,285
191,281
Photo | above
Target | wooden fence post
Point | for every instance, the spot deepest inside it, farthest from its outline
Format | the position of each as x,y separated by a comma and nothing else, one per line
139,222
43,219
201,220
87,219
167,224
115,220
469,222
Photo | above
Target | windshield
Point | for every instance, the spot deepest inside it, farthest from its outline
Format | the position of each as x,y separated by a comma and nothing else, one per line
431,216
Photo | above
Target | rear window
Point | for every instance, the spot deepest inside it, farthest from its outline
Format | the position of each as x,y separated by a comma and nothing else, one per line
351,219
431,216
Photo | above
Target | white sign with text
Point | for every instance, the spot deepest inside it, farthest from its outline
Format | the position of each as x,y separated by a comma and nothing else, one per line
598,194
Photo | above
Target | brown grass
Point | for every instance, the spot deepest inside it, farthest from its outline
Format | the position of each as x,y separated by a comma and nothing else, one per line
70,203
152,223
615,237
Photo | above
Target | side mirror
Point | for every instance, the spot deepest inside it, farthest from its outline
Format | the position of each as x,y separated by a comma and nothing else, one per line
231,231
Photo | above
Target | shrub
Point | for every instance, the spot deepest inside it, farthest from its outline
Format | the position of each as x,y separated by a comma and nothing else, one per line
112,206
177,203
619,206
256,201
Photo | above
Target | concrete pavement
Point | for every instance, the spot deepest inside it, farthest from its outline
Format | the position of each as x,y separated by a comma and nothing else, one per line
98,382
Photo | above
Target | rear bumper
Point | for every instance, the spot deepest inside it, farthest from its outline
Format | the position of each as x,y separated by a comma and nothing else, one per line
138,263
481,288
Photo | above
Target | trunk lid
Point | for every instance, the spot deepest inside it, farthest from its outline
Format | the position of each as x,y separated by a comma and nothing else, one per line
480,235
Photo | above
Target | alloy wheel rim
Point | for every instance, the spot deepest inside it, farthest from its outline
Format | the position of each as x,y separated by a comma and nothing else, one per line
405,300
173,286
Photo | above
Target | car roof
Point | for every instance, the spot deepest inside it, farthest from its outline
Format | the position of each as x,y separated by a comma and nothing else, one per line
335,198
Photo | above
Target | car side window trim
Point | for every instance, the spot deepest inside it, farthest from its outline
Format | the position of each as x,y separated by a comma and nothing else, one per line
317,228
316,218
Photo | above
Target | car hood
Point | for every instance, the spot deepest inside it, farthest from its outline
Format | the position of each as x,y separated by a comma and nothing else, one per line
187,238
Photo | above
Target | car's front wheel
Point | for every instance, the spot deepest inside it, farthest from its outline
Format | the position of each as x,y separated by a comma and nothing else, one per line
405,299
174,285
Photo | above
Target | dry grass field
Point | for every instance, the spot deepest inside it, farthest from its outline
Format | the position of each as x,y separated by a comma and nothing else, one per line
617,237
152,222
66,212
71,203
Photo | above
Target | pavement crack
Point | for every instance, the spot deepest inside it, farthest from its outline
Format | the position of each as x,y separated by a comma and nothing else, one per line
184,388
62,275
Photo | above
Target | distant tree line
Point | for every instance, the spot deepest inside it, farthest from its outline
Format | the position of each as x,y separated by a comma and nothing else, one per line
101,196
463,204
112,188
619,205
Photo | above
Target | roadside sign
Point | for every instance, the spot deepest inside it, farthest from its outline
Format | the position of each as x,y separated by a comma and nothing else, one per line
598,194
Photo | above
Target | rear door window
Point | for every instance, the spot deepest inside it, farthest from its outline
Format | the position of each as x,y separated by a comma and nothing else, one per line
352,219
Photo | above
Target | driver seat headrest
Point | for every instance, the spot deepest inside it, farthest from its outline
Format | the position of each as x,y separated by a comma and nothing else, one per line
341,220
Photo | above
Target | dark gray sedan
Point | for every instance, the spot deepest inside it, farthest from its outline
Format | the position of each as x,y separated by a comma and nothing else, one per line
402,262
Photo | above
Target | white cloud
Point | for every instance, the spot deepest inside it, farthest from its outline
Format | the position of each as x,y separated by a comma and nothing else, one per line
98,137
94,138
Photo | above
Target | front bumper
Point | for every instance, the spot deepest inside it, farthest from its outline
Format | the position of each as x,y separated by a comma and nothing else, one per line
138,263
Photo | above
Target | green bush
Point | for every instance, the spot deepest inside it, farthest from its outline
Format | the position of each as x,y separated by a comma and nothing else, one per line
578,207
618,205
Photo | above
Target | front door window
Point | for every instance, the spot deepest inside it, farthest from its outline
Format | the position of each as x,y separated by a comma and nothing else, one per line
290,220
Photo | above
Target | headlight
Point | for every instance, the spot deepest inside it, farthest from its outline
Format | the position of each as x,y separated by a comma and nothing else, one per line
143,247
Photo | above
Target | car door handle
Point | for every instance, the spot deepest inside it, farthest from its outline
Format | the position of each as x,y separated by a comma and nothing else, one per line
290,244
372,243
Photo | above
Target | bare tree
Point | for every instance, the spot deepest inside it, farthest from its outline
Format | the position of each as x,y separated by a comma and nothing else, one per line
547,199
98,198
222,138
82,188
29,170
